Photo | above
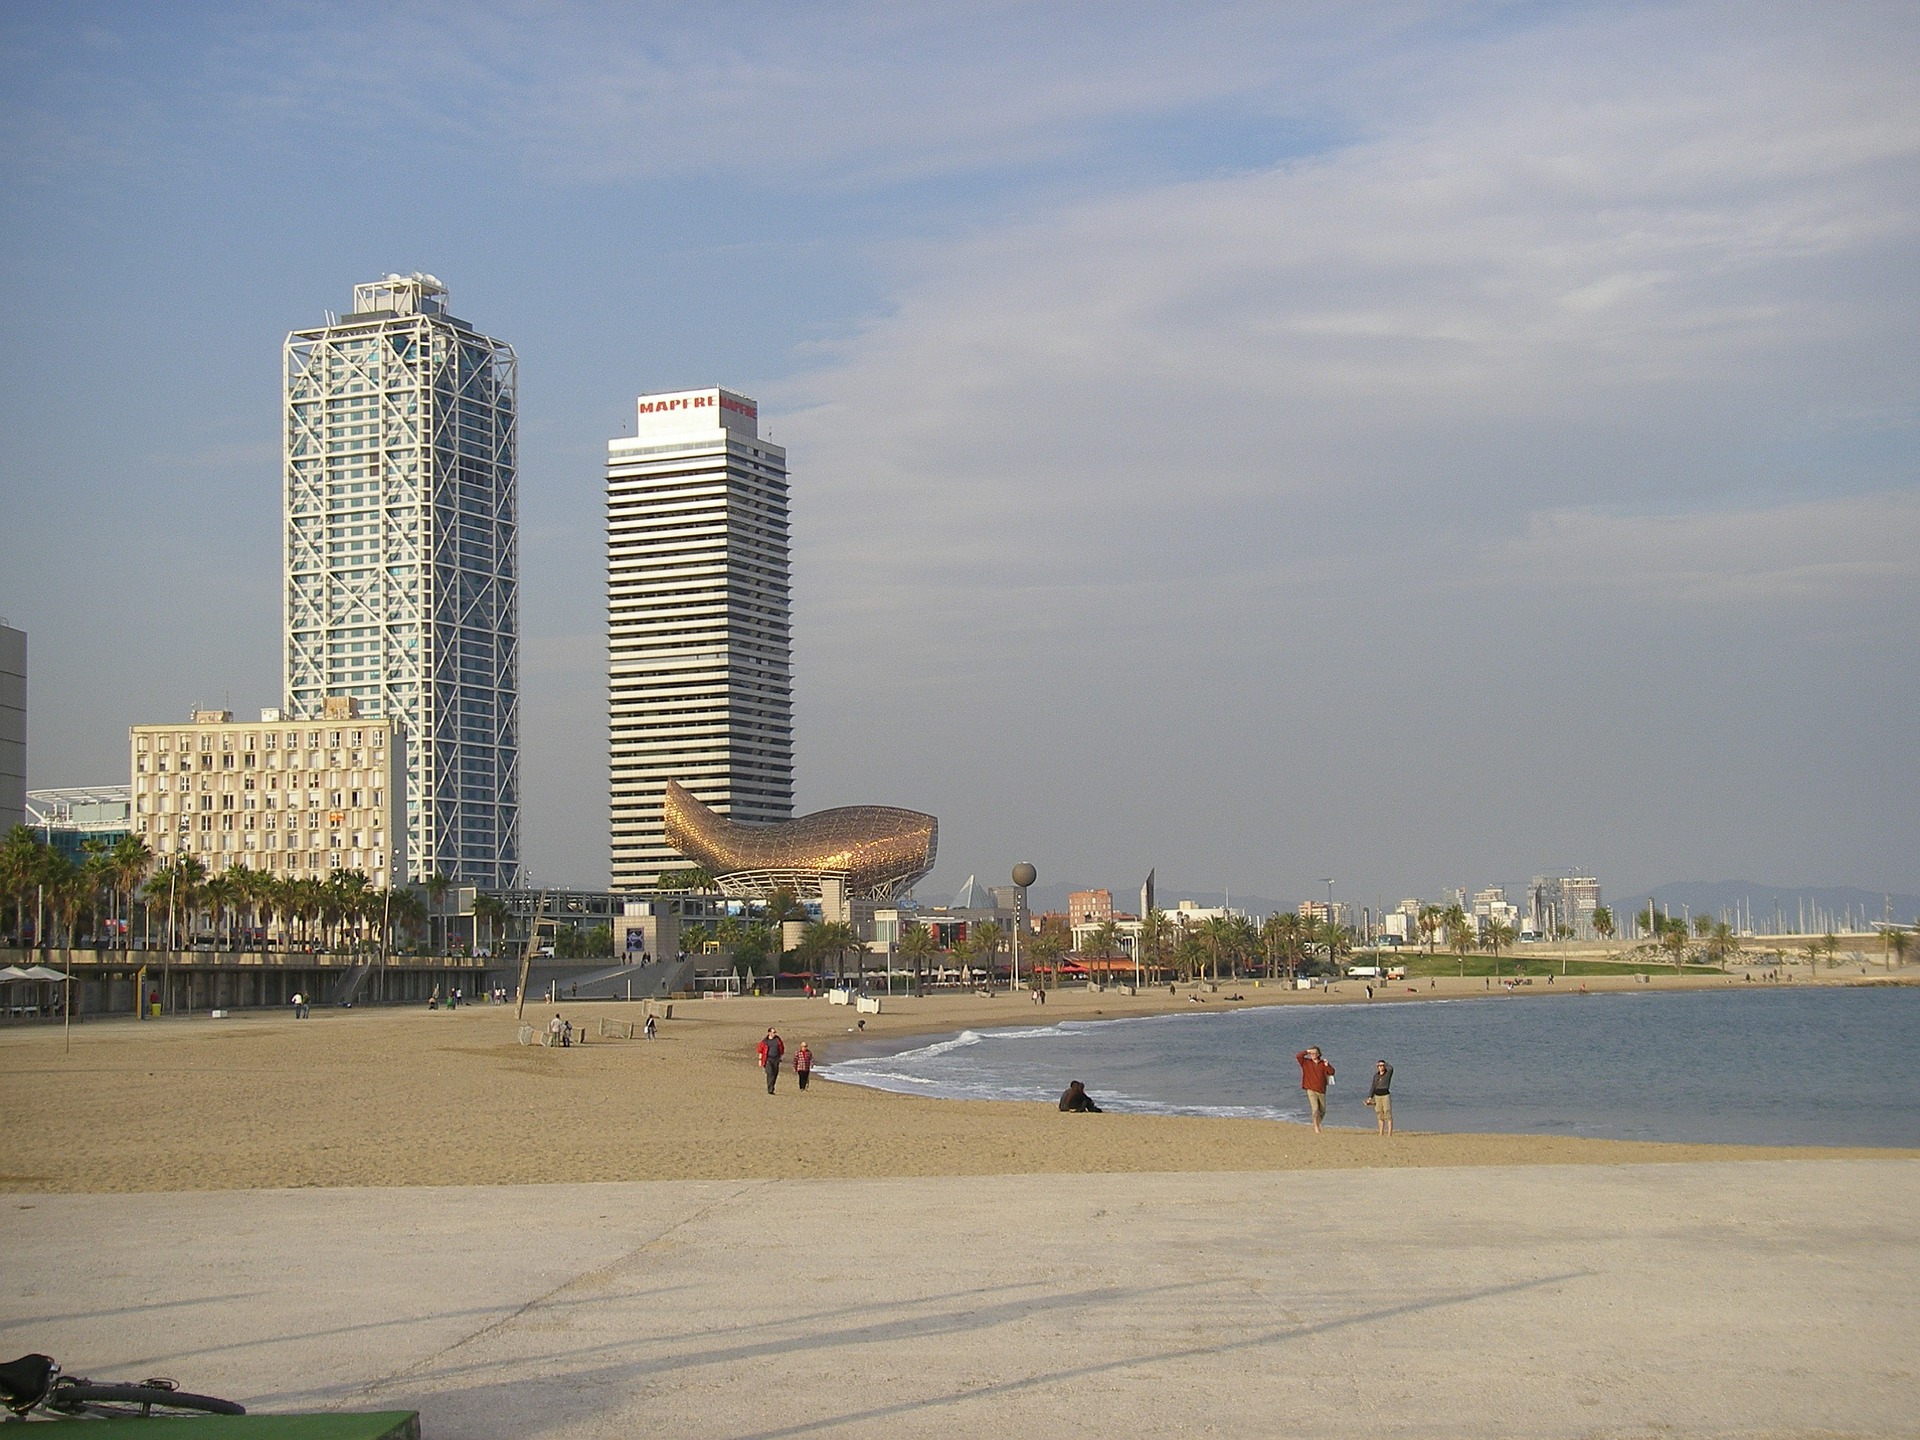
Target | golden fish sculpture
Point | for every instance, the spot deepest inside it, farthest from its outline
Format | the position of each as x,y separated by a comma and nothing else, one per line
880,849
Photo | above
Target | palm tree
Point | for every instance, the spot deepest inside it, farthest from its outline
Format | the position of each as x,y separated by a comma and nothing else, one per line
1155,931
19,864
65,889
1460,934
221,893
132,860
838,939
1498,934
1898,943
491,909
437,886
1432,920
96,878
1218,933
1105,940
404,907
1722,943
916,944
1046,948
1603,924
688,878
1673,939
985,941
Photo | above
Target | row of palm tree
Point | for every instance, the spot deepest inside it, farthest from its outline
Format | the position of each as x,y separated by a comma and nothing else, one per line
234,907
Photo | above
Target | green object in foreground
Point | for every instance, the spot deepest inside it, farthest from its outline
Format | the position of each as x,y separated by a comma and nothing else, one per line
367,1425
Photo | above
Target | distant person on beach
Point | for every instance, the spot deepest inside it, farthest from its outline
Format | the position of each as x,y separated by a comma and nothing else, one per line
1075,1099
1315,1075
553,1029
1380,1098
803,1064
651,1027
771,1049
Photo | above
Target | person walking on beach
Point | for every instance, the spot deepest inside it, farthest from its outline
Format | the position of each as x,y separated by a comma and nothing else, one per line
771,1049
1380,1100
803,1064
1315,1073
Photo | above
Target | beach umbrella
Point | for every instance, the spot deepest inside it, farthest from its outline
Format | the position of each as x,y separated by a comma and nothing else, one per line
41,972
12,973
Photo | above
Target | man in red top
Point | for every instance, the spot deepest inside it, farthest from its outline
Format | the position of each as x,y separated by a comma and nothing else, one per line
1315,1072
771,1049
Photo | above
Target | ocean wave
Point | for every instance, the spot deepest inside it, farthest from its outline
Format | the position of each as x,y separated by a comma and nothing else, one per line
954,1088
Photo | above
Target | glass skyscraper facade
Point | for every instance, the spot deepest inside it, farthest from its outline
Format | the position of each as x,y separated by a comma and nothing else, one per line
402,576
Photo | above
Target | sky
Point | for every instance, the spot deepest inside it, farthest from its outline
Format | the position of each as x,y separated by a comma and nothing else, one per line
1421,444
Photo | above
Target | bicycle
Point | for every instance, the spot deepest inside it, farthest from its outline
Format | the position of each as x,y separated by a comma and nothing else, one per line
34,1382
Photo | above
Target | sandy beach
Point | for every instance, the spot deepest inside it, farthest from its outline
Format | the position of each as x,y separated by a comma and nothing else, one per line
407,1209
411,1097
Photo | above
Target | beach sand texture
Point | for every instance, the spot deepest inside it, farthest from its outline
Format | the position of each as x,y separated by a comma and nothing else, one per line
411,1097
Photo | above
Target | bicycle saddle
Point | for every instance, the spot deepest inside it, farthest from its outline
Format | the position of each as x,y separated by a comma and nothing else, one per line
25,1381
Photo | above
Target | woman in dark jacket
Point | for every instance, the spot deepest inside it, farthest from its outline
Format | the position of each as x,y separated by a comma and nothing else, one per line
1076,1098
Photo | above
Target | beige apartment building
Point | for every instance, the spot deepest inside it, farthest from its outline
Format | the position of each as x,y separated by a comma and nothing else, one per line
294,798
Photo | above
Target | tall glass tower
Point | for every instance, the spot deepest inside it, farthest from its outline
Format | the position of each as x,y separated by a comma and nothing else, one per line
402,577
698,622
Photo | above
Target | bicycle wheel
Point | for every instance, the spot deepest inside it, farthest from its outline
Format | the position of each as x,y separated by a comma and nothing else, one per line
137,1400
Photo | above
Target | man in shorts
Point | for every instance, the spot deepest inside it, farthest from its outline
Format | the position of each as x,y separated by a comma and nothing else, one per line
1381,1096
1315,1072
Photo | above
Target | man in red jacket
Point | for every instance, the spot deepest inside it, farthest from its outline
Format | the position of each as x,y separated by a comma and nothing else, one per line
771,1049
1315,1072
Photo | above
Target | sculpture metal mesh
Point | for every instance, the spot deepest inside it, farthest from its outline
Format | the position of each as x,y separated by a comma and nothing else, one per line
880,850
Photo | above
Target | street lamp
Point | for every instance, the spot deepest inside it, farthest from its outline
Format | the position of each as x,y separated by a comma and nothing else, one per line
1023,875
1331,960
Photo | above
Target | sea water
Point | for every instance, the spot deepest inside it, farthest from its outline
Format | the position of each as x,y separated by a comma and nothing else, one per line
1762,1066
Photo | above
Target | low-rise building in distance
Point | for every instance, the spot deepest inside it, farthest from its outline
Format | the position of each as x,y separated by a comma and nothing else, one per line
1089,907
296,799
69,817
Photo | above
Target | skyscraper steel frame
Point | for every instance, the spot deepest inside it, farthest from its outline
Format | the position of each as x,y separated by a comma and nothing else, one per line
401,527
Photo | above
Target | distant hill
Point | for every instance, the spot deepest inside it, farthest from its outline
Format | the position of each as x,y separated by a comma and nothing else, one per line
1826,907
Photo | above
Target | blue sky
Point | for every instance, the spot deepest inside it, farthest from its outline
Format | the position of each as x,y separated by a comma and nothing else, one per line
1420,443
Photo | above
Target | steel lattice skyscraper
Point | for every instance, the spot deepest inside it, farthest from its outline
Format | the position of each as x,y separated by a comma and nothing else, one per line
698,622
402,539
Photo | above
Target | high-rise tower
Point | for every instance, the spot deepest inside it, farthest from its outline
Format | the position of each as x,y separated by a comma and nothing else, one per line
698,622
402,569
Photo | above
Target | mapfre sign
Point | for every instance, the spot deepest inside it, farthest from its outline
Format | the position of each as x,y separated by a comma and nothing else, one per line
699,400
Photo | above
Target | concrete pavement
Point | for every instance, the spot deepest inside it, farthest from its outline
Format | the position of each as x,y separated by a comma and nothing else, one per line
1721,1299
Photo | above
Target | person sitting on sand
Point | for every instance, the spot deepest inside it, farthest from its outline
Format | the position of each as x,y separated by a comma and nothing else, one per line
1076,1099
